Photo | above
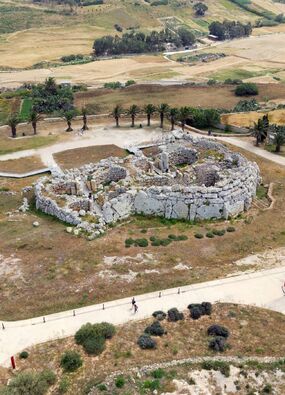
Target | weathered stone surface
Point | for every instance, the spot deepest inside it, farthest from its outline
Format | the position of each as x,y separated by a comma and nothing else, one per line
167,182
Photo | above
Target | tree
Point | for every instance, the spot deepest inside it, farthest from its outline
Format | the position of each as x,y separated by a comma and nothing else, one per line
279,136
173,115
200,9
13,121
117,113
260,130
184,114
149,109
186,36
133,112
163,109
84,113
69,116
246,89
34,118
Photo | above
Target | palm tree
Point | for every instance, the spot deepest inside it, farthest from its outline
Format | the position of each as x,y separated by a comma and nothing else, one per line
173,116
184,114
279,136
149,109
133,112
259,132
84,113
163,109
69,116
34,117
13,121
116,113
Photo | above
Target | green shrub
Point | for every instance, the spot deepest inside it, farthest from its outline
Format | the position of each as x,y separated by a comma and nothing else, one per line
231,229
129,242
120,382
246,89
267,389
151,385
155,243
159,315
182,237
174,315
155,329
23,355
63,385
130,82
85,332
105,329
218,330
29,383
165,242
71,361
158,373
152,238
221,366
198,235
172,237
218,344
102,387
94,345
141,243
219,232
144,231
145,342
210,235
48,376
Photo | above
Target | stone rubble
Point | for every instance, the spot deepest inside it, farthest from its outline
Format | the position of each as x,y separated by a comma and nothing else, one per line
181,177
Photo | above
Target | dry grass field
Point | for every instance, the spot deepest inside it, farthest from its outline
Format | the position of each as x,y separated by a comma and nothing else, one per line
39,277
248,119
176,96
250,335
80,156
22,165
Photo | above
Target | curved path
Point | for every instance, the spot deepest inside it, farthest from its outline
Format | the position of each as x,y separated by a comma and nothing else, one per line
262,288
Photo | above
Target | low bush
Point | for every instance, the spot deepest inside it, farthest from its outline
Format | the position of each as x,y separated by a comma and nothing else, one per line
63,385
159,315
231,229
29,383
155,329
158,373
246,89
221,366
129,242
172,237
120,382
217,330
94,345
197,310
165,242
182,238
155,243
145,342
151,384
141,242
198,235
210,235
219,232
218,343
174,315
71,361
23,355
105,329
195,313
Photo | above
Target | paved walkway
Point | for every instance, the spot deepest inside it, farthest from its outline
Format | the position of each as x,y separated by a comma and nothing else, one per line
261,288
280,160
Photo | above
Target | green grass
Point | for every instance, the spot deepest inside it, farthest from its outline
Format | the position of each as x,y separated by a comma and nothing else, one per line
261,192
25,109
240,74
9,146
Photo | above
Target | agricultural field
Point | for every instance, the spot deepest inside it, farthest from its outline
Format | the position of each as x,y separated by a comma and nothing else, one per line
248,119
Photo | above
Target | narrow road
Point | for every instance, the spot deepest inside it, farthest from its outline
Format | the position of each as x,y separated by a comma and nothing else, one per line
262,288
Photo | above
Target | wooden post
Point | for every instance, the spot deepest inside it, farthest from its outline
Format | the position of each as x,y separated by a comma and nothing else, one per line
13,363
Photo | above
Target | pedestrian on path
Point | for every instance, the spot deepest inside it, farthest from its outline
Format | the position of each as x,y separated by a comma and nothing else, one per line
133,303
136,308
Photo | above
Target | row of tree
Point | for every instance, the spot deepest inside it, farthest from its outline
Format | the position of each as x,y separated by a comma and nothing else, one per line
192,116
228,30
139,42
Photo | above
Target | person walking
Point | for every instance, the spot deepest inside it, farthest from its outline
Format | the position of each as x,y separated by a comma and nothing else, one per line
133,303
136,308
